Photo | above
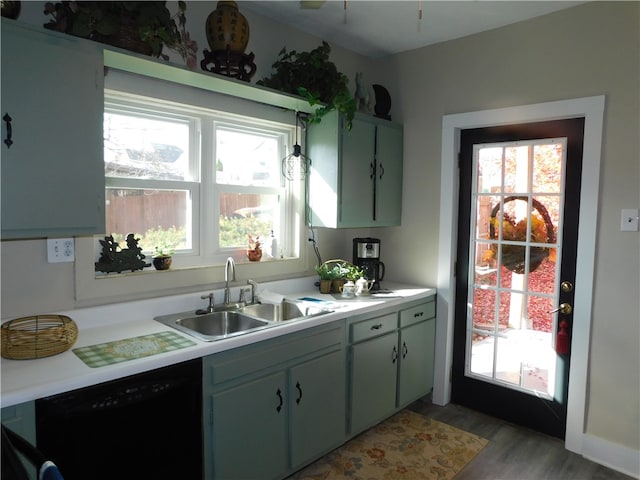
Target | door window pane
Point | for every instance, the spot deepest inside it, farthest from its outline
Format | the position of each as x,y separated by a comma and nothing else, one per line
547,168
518,207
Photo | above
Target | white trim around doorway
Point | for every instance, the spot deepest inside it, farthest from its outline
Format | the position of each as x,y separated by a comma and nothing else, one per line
592,109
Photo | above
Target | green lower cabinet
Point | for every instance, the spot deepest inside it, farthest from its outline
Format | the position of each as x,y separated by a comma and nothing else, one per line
250,430
272,407
416,361
391,362
318,406
374,371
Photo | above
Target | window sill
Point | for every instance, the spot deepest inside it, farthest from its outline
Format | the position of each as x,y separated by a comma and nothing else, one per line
94,289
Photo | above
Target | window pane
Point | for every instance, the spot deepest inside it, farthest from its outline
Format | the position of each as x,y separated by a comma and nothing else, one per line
157,217
247,214
489,169
247,158
547,168
140,147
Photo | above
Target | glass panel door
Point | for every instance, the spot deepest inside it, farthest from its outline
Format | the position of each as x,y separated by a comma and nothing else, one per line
514,264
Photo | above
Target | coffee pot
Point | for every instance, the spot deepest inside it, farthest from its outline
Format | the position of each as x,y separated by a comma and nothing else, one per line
366,256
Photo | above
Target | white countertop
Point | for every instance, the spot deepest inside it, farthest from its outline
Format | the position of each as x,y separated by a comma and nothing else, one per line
25,380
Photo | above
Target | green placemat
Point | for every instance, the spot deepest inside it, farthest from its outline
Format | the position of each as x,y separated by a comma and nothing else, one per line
131,348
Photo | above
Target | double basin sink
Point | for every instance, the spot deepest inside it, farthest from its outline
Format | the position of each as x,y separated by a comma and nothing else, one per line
230,321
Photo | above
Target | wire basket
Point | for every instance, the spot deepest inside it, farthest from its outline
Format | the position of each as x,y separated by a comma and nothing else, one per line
513,256
333,285
37,336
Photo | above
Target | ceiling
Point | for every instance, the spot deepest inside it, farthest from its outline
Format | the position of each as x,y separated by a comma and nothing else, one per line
376,29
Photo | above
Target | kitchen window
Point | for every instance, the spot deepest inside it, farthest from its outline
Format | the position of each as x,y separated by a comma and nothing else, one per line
199,180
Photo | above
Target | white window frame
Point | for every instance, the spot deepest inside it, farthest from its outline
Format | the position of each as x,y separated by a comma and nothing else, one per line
186,275
124,104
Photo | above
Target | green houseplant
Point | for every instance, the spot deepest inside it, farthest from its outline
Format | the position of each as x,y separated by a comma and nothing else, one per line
143,27
327,273
163,257
312,76
334,273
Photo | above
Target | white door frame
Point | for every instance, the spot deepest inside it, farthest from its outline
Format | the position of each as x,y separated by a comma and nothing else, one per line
592,108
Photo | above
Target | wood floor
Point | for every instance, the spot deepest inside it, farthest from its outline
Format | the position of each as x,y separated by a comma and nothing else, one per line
515,453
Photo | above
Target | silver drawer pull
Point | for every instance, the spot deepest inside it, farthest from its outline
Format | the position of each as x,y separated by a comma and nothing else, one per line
378,326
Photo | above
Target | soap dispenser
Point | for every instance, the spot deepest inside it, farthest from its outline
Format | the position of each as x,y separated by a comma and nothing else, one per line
274,246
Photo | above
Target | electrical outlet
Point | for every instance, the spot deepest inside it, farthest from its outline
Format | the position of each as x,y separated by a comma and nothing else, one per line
60,250
629,220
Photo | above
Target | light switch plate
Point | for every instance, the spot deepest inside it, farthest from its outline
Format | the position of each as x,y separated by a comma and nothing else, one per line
60,250
629,220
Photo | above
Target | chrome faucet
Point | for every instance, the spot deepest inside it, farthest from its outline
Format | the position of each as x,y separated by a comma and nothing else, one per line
254,287
229,270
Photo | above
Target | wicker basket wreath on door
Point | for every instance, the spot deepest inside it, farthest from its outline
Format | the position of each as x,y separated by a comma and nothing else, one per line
542,231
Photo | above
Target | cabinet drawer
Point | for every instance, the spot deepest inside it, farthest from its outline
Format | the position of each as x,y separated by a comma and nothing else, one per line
373,327
226,366
417,314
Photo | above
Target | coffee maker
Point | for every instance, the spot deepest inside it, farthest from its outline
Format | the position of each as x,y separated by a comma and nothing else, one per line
366,255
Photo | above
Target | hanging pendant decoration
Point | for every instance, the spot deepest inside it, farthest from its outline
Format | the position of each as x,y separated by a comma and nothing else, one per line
296,164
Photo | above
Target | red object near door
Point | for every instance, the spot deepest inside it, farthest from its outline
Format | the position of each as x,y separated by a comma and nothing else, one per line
562,339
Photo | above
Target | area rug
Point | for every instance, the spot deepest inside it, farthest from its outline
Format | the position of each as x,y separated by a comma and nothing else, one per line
407,446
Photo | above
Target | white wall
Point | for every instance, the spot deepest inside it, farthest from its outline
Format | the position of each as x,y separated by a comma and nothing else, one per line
588,50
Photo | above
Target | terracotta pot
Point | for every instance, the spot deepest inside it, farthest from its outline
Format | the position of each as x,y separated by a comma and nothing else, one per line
162,263
226,28
254,255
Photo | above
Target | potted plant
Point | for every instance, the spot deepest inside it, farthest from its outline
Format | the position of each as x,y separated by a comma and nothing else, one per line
312,76
143,27
327,274
162,257
334,273
353,273
254,252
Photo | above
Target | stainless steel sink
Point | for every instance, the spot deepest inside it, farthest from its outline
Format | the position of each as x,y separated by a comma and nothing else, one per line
214,326
284,312
227,323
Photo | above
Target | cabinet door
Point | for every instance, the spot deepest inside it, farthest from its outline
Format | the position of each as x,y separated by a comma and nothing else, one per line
416,361
389,157
318,406
21,419
374,366
53,172
250,430
356,174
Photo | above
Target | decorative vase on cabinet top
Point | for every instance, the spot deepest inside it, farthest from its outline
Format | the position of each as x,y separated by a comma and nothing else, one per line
226,28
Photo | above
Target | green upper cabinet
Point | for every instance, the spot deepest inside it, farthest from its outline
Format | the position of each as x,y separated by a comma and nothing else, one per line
52,158
356,175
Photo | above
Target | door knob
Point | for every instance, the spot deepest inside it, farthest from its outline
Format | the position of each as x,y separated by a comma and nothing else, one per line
564,309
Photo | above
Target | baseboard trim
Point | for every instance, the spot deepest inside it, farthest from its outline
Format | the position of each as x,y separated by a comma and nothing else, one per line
612,455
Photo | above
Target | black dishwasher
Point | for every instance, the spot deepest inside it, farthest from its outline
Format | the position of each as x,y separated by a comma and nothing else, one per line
146,426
